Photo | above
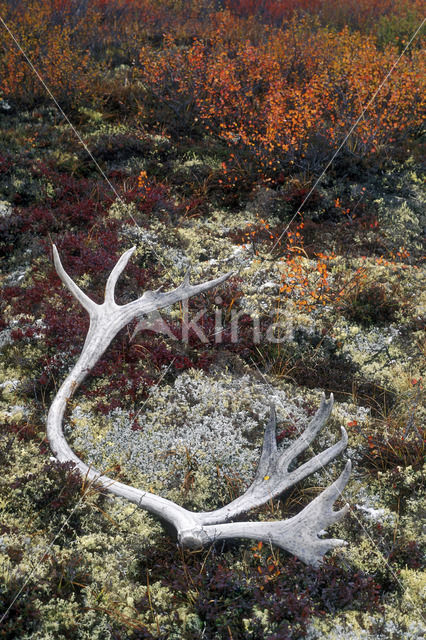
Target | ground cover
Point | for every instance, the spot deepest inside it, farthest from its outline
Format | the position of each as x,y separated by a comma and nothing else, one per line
208,126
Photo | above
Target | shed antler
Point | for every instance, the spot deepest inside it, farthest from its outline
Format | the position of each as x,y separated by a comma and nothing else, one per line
298,535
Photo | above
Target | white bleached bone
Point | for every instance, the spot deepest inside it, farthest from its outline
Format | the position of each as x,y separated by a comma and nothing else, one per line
299,535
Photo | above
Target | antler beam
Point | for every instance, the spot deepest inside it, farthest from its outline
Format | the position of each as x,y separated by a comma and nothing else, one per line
298,535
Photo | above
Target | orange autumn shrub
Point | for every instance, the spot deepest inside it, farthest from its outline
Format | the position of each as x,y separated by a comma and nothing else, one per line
48,43
336,76
223,65
72,43
291,97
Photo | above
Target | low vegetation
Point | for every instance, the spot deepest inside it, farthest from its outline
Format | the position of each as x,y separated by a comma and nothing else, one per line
203,132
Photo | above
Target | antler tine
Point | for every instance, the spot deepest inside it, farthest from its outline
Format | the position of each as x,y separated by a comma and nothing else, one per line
115,274
321,459
298,535
148,302
320,512
317,516
272,476
269,448
83,299
157,300
307,436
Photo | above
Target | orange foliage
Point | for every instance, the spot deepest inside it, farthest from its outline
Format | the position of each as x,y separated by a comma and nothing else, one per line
48,43
270,89
71,43
290,97
297,282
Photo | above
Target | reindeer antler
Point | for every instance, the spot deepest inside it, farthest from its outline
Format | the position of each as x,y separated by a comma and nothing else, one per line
298,535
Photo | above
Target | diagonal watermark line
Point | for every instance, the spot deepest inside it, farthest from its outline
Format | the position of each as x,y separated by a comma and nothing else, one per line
351,130
329,477
73,128
62,112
